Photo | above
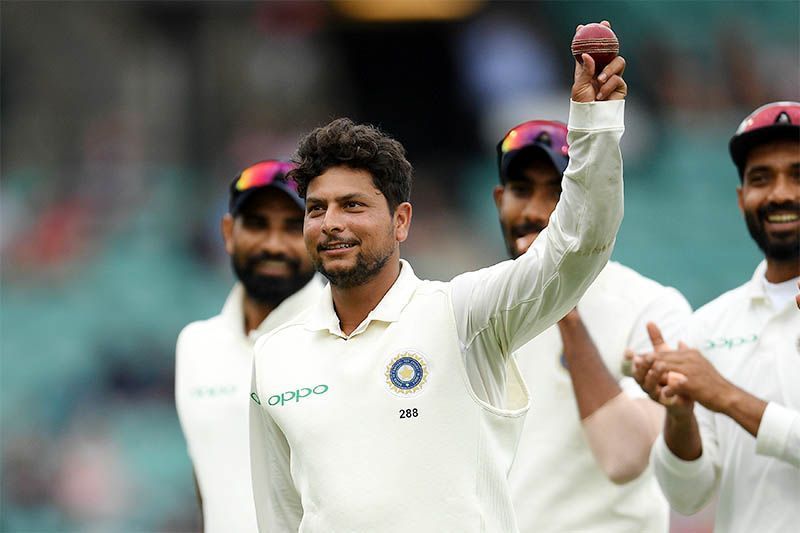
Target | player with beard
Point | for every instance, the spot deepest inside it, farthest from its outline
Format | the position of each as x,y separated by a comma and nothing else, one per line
732,399
263,236
393,404
581,464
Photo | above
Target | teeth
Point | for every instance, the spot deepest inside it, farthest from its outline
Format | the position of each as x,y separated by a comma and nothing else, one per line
784,217
338,246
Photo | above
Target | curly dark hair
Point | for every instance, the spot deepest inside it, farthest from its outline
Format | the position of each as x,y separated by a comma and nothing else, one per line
357,146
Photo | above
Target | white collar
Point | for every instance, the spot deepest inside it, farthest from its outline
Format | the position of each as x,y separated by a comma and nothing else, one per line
323,316
233,309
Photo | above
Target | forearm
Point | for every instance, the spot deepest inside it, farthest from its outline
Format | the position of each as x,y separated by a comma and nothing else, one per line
592,383
621,434
744,408
682,436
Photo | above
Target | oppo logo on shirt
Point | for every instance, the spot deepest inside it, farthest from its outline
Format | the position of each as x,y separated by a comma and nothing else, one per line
291,395
729,343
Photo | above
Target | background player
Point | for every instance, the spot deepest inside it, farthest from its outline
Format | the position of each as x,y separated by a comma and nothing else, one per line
740,379
263,236
393,404
588,435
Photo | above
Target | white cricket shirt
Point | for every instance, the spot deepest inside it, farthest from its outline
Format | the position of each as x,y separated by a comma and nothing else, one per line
556,484
213,369
411,422
755,345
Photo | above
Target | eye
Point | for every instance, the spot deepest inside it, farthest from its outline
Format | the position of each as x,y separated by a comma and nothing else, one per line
315,210
254,222
519,189
757,178
352,204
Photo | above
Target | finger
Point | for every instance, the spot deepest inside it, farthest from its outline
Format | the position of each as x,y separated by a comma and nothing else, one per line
588,65
605,23
676,380
652,380
641,365
617,66
656,339
682,345
614,86
579,26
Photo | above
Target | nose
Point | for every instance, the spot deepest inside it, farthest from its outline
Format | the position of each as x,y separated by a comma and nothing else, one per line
333,222
274,242
786,189
537,209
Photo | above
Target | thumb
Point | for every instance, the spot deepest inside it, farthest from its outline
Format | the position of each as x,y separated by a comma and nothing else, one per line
656,338
584,71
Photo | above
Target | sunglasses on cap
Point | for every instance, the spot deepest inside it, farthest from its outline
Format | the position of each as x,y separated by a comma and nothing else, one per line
548,135
270,173
263,174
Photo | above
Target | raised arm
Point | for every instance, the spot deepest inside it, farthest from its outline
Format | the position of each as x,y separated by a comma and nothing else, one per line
503,307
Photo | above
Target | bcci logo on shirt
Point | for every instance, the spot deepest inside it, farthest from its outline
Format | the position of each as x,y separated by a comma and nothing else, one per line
406,373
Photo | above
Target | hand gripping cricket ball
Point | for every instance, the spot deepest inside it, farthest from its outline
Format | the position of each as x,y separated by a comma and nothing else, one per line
598,41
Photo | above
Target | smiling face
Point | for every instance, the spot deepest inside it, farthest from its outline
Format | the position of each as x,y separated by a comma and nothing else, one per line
265,242
526,202
349,231
770,199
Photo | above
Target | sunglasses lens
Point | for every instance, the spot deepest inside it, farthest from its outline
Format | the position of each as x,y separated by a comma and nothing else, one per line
262,174
549,134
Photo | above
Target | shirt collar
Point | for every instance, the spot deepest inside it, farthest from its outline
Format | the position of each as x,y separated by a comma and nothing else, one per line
323,316
755,289
233,310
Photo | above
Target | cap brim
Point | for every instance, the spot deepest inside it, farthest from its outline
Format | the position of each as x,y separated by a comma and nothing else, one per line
741,144
559,161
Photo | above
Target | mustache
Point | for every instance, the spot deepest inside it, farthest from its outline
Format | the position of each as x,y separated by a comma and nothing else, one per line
520,230
771,209
254,260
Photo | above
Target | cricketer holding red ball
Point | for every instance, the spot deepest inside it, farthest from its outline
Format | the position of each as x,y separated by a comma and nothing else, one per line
733,398
394,404
590,428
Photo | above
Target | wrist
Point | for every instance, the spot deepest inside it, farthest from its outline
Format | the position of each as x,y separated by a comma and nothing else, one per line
680,416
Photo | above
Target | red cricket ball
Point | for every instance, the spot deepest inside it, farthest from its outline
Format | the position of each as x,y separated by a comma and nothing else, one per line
599,42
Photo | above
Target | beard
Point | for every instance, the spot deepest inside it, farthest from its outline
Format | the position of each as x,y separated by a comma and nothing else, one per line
784,250
367,267
270,290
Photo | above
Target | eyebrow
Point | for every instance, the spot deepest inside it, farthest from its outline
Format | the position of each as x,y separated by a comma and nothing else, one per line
339,199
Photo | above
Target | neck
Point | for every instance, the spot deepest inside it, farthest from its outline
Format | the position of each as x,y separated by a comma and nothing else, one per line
353,304
780,271
254,313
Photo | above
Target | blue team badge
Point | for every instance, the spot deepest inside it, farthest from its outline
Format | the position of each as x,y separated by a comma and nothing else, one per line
406,373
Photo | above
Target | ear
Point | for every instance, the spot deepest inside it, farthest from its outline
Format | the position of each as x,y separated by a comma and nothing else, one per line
739,198
498,195
227,232
402,221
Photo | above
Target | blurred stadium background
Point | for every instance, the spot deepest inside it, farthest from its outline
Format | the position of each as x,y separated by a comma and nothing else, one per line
123,122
